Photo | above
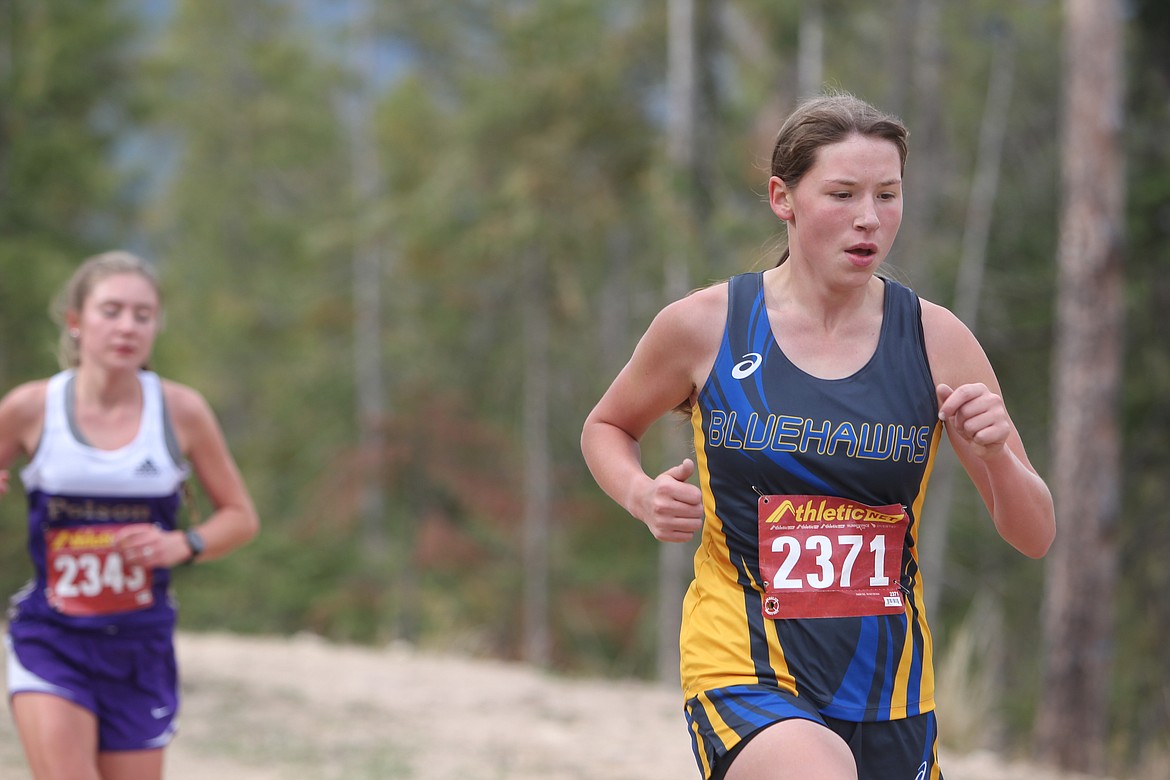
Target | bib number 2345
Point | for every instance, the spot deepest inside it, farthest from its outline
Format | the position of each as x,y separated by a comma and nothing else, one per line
87,576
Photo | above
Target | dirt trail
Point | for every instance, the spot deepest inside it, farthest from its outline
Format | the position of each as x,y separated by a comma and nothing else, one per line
305,709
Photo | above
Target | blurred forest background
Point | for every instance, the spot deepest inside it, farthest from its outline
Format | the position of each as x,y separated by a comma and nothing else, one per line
406,244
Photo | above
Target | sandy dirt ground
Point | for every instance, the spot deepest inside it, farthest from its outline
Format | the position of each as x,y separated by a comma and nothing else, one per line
305,709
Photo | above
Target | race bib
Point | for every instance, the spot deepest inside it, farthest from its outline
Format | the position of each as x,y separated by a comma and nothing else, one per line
87,577
822,556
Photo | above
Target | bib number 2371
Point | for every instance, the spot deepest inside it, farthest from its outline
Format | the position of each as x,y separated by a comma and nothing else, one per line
822,556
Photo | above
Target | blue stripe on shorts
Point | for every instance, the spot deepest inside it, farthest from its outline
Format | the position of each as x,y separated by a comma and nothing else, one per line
744,709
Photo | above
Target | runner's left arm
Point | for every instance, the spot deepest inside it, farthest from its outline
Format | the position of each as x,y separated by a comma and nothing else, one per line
984,436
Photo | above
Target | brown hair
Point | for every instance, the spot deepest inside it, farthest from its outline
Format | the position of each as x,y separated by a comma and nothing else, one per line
824,120
87,276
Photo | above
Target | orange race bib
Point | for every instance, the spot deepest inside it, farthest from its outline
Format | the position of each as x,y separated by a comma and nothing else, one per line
822,556
87,577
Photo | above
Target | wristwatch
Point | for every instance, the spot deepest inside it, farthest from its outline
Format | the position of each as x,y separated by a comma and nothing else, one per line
195,542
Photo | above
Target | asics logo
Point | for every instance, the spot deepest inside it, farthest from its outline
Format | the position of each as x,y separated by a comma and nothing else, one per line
747,366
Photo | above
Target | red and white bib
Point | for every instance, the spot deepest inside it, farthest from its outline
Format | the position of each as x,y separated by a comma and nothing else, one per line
86,576
822,556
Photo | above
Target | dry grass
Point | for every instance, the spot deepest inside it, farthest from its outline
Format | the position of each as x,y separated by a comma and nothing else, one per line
304,709
967,682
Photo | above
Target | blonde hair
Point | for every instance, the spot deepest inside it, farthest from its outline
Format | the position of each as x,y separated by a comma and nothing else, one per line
75,292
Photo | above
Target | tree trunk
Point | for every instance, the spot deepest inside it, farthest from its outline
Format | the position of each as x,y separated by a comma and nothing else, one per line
810,57
689,149
1071,727
901,20
968,289
537,466
369,376
985,183
924,169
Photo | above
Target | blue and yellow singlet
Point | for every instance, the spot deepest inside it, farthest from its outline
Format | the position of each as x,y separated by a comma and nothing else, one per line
762,427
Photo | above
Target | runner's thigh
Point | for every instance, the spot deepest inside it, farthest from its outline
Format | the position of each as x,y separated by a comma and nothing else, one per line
793,750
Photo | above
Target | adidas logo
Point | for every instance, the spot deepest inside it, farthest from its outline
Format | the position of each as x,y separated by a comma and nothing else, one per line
146,469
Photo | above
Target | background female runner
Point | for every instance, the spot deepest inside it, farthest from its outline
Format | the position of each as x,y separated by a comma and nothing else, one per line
92,677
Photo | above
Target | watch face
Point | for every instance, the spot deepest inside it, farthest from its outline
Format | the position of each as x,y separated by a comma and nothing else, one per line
195,542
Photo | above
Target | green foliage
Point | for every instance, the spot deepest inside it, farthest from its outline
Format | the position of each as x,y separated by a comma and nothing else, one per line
521,142
66,111
64,105
259,320
1141,706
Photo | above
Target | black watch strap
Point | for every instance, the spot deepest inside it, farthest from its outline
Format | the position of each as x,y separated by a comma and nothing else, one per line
195,542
